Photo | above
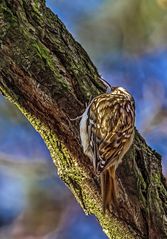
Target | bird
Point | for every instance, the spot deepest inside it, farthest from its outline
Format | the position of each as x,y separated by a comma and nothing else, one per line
107,129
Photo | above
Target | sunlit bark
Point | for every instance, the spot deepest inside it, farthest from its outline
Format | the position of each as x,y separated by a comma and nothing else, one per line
50,77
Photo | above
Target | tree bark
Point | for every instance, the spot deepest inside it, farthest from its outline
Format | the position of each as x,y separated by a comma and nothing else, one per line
50,77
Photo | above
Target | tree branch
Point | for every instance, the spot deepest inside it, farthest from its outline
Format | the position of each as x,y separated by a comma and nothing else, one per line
50,77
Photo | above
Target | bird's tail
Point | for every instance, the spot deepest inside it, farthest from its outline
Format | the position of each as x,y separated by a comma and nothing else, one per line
108,188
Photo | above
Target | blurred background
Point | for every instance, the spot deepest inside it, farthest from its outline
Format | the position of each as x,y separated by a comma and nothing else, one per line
127,41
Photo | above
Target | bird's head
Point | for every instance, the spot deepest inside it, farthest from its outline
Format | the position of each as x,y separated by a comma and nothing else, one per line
120,90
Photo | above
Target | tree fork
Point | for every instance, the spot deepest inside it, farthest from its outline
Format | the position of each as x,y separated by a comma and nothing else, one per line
50,77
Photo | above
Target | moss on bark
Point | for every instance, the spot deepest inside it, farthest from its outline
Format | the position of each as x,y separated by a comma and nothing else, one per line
49,77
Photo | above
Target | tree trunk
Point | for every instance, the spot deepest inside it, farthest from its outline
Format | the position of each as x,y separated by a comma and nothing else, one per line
50,77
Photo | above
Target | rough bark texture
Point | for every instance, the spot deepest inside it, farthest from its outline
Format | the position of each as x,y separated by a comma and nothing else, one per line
49,76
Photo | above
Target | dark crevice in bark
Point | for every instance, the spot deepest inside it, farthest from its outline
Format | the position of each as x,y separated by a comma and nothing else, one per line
50,77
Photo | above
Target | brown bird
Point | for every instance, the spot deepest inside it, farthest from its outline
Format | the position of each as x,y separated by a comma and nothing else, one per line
107,132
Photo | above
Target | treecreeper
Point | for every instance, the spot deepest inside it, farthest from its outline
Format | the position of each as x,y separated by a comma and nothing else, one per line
107,132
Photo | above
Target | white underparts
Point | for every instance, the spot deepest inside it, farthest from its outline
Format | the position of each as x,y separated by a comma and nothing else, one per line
84,134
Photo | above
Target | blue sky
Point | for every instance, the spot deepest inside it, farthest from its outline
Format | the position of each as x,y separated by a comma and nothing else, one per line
145,77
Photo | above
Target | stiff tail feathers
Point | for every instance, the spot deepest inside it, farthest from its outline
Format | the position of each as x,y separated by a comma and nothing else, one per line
108,188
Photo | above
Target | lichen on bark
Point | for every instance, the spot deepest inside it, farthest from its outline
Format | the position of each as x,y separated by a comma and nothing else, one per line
50,77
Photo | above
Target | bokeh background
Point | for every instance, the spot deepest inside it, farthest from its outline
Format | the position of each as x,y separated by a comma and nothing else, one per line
127,41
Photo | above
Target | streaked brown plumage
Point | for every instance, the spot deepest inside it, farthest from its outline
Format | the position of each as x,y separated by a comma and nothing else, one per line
107,132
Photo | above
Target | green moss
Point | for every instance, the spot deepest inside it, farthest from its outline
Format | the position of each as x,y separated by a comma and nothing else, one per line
36,6
45,54
61,157
156,178
10,21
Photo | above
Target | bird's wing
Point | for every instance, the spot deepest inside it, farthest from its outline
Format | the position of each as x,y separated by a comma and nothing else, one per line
111,119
